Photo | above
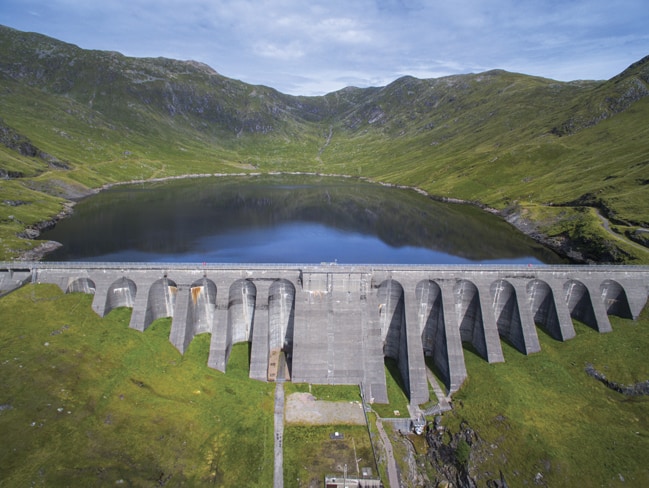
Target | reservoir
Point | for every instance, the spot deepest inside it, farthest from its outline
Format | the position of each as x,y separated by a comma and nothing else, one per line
285,219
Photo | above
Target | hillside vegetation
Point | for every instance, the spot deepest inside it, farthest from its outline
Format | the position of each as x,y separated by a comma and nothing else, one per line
554,158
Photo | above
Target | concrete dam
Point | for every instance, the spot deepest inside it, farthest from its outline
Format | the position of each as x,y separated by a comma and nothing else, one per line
336,324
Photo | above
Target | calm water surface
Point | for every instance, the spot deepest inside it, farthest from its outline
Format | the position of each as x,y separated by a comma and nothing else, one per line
287,219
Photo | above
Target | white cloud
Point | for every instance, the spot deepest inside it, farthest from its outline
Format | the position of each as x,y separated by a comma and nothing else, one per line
312,47
291,51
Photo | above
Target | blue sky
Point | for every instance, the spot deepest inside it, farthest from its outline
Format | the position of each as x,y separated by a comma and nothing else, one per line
312,47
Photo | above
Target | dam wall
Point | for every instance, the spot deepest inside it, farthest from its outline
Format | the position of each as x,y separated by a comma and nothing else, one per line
337,324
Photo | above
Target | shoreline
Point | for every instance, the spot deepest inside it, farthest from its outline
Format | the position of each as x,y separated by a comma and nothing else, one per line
514,219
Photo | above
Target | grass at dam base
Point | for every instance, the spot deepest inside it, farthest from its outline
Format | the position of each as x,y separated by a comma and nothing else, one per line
86,401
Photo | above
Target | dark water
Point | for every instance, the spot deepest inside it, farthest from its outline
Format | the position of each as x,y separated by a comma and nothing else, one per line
294,219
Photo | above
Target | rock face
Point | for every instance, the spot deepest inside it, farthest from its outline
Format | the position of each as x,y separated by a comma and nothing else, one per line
23,146
637,389
453,455
451,459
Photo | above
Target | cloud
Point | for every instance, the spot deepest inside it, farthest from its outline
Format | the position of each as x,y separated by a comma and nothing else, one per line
291,51
313,47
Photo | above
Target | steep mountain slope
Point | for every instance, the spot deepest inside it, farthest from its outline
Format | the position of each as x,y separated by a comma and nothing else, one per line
546,154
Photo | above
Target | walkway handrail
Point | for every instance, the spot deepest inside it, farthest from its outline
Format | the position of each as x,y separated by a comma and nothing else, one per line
341,267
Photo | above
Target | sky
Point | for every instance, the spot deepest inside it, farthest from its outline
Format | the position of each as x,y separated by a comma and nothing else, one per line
313,47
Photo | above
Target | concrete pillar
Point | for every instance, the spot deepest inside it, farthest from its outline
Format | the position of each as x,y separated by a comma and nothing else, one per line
450,361
374,386
259,353
602,323
140,306
418,383
182,331
566,327
492,345
102,284
530,337
636,290
221,340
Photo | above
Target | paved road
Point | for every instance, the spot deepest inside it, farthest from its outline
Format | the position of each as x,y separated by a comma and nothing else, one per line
278,480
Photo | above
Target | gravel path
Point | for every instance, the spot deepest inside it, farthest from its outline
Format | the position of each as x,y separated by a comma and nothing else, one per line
278,480
393,473
303,408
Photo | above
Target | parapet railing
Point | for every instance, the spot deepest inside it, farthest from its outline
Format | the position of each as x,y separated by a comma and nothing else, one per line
342,267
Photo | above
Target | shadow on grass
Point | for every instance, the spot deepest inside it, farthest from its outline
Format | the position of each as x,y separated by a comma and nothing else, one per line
542,331
392,366
470,348
443,380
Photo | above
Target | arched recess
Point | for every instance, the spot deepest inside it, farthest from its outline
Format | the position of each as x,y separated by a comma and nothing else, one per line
544,308
615,299
580,303
241,311
202,305
507,314
390,296
429,297
469,314
161,302
391,315
82,285
120,294
433,336
281,317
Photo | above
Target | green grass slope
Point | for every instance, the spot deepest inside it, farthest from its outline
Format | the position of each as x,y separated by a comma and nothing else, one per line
72,120
543,414
87,401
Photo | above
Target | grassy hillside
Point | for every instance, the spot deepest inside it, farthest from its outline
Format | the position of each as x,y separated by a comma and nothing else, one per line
546,154
544,414
86,401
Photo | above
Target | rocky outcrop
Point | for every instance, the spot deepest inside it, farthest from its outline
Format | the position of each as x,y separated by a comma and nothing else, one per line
34,231
615,96
451,460
15,141
637,389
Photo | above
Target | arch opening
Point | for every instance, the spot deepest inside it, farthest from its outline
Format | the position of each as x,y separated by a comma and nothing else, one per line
161,300
615,299
507,314
544,309
121,293
82,285
580,303
202,305
433,334
469,313
392,319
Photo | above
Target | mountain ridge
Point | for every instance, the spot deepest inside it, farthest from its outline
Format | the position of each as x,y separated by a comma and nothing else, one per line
511,141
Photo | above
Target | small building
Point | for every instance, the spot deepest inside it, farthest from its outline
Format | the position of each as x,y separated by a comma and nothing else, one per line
367,480
335,481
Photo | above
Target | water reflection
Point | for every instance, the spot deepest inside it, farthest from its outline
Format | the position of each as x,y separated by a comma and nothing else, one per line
285,219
